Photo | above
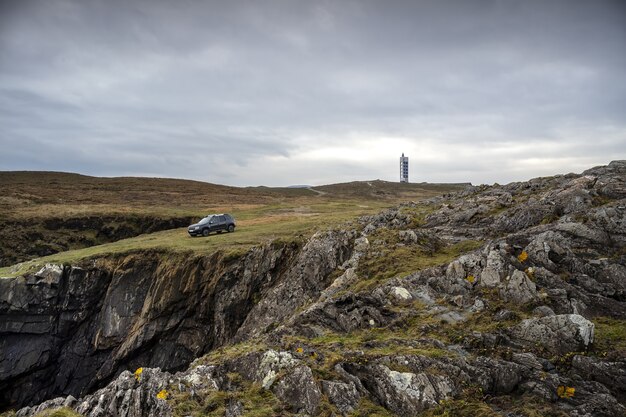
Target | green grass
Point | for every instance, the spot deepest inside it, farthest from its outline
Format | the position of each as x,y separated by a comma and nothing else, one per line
386,259
461,408
229,352
367,408
610,337
254,226
256,401
472,403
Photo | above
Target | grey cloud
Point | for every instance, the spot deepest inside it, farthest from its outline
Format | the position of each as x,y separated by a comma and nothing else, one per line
212,90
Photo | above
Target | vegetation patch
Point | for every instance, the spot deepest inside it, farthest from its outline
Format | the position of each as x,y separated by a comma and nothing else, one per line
367,408
469,405
610,338
388,258
322,353
418,214
255,400
58,412
461,408
225,353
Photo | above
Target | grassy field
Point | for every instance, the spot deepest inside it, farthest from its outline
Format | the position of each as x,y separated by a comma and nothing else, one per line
262,214
28,195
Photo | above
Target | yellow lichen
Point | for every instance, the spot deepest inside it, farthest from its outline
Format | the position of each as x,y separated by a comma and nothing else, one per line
565,392
471,279
162,395
299,350
138,373
522,256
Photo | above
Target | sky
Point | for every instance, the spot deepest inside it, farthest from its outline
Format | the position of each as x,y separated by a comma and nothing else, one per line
313,92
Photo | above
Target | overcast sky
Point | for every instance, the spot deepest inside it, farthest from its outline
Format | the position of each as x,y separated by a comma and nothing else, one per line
312,92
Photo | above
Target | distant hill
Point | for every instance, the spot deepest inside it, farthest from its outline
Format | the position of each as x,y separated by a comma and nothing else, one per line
25,189
41,187
381,189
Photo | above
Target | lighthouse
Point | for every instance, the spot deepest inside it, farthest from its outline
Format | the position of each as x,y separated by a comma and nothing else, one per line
404,168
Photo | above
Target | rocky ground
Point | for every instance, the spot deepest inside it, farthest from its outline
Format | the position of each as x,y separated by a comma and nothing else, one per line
500,300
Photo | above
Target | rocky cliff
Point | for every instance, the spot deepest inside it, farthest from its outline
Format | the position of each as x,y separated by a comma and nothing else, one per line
500,300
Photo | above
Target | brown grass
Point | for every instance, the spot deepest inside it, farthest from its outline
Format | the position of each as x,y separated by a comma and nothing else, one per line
30,200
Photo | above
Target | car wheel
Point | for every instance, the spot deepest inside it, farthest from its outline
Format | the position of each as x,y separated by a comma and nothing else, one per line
231,228
205,232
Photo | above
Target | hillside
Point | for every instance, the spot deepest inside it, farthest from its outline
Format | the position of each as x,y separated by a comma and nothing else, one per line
43,213
504,300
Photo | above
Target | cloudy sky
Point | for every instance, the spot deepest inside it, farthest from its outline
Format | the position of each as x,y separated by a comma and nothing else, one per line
312,92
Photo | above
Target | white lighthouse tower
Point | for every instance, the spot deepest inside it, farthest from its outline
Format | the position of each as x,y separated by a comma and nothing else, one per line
404,168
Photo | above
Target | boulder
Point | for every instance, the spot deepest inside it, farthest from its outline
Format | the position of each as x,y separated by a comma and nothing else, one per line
403,393
299,390
558,335
272,362
494,271
518,288
342,395
400,294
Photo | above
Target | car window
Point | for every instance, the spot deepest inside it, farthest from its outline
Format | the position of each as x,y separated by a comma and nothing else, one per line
205,220
221,219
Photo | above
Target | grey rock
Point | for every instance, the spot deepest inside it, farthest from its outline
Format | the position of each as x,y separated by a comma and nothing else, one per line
611,374
494,270
478,306
527,360
400,294
455,270
50,274
406,393
518,288
581,231
503,376
548,249
543,311
321,255
557,334
452,317
504,315
299,390
347,312
408,236
272,362
369,229
346,279
342,395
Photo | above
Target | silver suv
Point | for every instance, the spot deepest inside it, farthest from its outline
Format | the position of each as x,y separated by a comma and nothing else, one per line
213,223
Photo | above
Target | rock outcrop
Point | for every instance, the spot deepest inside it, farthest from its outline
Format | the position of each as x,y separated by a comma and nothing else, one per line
511,298
67,330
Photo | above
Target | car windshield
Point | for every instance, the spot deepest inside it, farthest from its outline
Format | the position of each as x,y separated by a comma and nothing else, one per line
205,220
